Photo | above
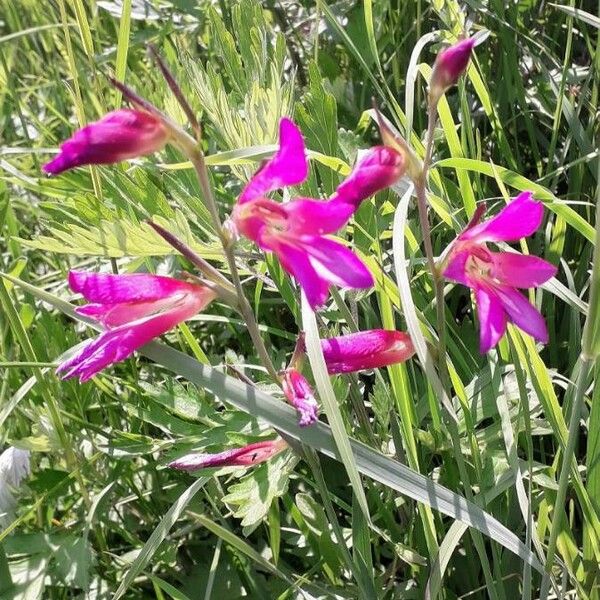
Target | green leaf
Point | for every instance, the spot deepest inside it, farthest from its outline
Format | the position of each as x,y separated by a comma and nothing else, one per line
317,117
253,494
73,560
120,238
158,535
330,404
521,183
582,15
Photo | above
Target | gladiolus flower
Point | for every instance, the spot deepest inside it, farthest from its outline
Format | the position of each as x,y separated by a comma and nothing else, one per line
379,168
119,135
494,276
246,456
294,231
449,65
366,350
134,309
300,396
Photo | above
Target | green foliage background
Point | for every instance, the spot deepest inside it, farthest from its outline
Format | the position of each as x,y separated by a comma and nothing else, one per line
100,514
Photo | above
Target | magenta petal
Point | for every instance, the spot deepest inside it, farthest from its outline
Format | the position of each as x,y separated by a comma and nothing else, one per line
336,263
115,345
289,166
295,261
520,270
94,311
313,217
520,218
316,262
109,347
106,288
522,313
300,396
366,350
492,318
451,63
456,267
115,315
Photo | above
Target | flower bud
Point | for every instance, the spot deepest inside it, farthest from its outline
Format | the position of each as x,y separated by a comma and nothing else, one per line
300,396
379,168
366,350
119,135
245,456
449,65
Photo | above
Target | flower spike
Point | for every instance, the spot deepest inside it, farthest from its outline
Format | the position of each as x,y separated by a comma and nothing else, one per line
495,276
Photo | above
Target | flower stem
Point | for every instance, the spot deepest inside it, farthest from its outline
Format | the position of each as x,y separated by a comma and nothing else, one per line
563,481
206,268
438,280
197,158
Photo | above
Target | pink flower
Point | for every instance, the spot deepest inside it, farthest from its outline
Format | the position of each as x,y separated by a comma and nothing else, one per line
238,457
300,396
494,276
366,350
119,135
134,309
294,231
379,168
449,65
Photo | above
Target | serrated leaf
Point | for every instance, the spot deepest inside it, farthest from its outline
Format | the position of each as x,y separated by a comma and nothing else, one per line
253,494
245,95
73,560
317,117
120,238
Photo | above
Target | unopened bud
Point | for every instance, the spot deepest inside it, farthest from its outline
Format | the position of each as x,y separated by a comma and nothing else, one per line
378,168
449,65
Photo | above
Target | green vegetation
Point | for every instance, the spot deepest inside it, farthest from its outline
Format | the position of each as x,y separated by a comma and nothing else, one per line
441,495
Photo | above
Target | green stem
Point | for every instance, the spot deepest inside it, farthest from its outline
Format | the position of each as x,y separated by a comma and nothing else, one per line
312,459
197,158
6,581
589,354
563,481
438,281
438,287
421,189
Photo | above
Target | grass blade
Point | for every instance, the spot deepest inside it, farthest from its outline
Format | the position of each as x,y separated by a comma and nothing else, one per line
158,535
122,46
327,395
